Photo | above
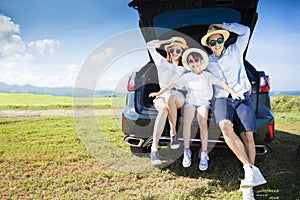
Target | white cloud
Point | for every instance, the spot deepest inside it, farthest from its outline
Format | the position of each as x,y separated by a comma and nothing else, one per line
98,58
19,64
10,42
61,80
7,25
45,44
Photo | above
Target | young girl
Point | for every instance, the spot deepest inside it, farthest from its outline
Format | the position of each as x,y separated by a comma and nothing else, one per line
198,85
168,70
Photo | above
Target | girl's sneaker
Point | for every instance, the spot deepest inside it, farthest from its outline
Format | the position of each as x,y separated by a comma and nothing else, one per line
187,158
203,164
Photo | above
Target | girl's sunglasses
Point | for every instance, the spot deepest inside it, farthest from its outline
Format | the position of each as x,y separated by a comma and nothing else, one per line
214,42
190,61
177,51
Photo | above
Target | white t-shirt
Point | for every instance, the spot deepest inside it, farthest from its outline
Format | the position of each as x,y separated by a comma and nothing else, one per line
199,87
167,72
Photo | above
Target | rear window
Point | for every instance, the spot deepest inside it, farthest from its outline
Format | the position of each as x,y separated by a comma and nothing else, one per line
191,17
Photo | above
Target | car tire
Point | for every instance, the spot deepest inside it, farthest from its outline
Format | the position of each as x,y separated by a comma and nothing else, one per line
140,151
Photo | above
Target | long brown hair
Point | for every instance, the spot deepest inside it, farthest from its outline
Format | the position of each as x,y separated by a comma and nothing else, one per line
169,58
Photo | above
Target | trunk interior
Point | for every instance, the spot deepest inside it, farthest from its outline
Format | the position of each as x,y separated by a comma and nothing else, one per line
190,19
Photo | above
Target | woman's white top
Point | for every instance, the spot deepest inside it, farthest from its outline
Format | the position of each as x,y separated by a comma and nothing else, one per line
167,72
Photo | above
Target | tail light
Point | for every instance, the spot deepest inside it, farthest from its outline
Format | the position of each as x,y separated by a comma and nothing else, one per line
123,123
271,130
264,84
131,82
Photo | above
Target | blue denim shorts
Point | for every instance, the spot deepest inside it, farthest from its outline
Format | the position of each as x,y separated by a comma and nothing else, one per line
239,112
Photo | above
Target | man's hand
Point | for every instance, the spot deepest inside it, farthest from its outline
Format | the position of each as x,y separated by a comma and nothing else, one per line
215,25
237,96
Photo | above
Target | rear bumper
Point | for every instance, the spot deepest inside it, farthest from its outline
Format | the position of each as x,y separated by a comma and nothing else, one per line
138,130
261,149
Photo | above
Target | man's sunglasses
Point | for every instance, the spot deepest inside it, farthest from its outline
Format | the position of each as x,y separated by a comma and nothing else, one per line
190,61
214,42
177,51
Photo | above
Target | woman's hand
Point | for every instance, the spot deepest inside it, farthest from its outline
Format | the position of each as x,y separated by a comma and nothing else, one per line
153,94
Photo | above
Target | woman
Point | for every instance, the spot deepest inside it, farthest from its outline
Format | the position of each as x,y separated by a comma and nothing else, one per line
168,69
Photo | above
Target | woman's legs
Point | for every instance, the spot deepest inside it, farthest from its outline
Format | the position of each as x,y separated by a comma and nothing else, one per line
160,122
173,102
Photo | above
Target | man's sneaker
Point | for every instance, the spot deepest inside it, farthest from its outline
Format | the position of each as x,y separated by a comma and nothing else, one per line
174,144
187,158
248,193
203,164
155,159
253,177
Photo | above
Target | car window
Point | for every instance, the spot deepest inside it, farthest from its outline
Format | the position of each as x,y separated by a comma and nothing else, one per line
200,16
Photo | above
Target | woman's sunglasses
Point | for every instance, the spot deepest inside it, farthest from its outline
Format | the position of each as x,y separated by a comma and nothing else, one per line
177,51
190,61
214,42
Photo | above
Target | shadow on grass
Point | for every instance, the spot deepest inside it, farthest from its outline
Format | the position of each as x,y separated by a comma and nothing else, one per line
280,167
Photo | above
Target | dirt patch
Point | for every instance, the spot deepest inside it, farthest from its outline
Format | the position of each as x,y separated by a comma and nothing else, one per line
58,112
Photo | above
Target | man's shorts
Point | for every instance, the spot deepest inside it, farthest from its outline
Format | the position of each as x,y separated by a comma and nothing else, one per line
239,112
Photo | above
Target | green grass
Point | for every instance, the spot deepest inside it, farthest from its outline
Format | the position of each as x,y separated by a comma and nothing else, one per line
286,103
42,102
63,158
86,158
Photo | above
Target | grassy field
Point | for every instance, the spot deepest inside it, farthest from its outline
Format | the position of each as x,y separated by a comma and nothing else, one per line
85,158
42,102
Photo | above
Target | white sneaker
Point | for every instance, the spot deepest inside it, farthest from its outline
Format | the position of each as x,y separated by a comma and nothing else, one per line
187,158
248,193
203,164
253,177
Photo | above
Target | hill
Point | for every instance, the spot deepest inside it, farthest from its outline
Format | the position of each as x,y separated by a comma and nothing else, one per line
55,91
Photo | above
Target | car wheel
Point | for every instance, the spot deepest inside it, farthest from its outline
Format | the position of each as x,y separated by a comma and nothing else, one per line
140,151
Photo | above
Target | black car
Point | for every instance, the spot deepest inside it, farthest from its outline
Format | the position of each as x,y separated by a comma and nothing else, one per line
191,18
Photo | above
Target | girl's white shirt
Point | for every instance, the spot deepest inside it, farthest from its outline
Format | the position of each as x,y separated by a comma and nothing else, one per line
199,87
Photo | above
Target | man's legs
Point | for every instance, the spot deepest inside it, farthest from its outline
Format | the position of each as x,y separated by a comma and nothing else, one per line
233,141
253,176
245,122
248,140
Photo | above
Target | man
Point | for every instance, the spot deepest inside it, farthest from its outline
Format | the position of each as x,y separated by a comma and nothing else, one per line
228,65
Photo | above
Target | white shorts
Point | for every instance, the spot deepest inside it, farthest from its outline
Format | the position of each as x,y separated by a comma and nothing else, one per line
203,103
175,92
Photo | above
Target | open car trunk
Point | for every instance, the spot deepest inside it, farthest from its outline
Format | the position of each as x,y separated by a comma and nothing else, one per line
163,19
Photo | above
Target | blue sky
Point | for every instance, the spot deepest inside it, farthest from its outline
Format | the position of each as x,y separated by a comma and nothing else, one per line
45,43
